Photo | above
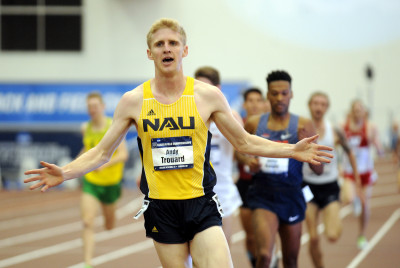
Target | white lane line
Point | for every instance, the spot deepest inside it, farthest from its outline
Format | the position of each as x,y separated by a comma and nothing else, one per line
142,245
39,218
123,252
68,245
345,211
238,236
67,228
377,237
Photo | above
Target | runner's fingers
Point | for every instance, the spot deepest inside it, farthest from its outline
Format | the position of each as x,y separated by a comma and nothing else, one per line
36,178
312,138
325,148
315,162
37,185
44,189
325,154
33,171
322,159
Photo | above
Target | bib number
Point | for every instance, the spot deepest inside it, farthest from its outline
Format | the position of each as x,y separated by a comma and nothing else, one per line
172,153
274,165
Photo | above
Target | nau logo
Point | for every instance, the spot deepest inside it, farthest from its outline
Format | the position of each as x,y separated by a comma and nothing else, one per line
154,230
168,122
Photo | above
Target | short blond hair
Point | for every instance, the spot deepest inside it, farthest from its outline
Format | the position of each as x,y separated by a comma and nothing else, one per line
166,23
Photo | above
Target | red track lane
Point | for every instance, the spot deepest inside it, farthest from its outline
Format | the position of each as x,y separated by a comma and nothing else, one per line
43,230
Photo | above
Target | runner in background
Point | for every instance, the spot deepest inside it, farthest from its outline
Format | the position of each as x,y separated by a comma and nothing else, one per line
221,158
362,135
325,187
276,195
102,186
253,104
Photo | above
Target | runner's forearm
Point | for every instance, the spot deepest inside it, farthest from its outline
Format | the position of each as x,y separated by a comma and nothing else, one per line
87,162
256,145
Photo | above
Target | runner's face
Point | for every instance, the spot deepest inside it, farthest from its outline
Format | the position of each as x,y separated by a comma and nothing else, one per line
167,50
279,95
253,104
318,107
95,108
358,111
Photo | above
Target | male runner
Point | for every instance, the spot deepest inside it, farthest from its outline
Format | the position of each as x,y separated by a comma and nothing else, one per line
172,114
221,157
276,195
325,186
253,104
102,186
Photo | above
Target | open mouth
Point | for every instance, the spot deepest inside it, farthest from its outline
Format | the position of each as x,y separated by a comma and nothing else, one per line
168,60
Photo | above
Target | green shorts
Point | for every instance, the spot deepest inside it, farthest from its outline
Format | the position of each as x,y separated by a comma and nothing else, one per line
105,194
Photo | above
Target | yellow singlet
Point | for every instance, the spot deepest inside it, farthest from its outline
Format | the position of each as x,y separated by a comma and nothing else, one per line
175,145
107,176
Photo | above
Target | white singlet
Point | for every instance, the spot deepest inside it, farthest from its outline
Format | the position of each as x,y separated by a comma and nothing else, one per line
221,158
330,173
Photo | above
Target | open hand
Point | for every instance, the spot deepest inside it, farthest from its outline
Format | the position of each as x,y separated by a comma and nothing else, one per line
308,151
49,176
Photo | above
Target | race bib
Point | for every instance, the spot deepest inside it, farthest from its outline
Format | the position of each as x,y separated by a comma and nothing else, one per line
172,153
274,165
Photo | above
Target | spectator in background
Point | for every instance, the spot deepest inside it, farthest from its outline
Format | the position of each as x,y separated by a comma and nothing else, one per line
102,186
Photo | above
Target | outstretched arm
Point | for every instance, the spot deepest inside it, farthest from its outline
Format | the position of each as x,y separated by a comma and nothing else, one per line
305,150
121,155
51,175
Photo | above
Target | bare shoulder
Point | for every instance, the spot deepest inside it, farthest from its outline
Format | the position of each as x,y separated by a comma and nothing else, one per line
134,96
305,122
305,128
130,104
205,91
209,100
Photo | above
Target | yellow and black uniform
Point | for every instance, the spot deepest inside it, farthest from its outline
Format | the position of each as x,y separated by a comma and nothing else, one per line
175,144
103,184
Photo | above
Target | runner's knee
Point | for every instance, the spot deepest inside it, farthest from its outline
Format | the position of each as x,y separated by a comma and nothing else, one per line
263,257
88,222
333,235
314,241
